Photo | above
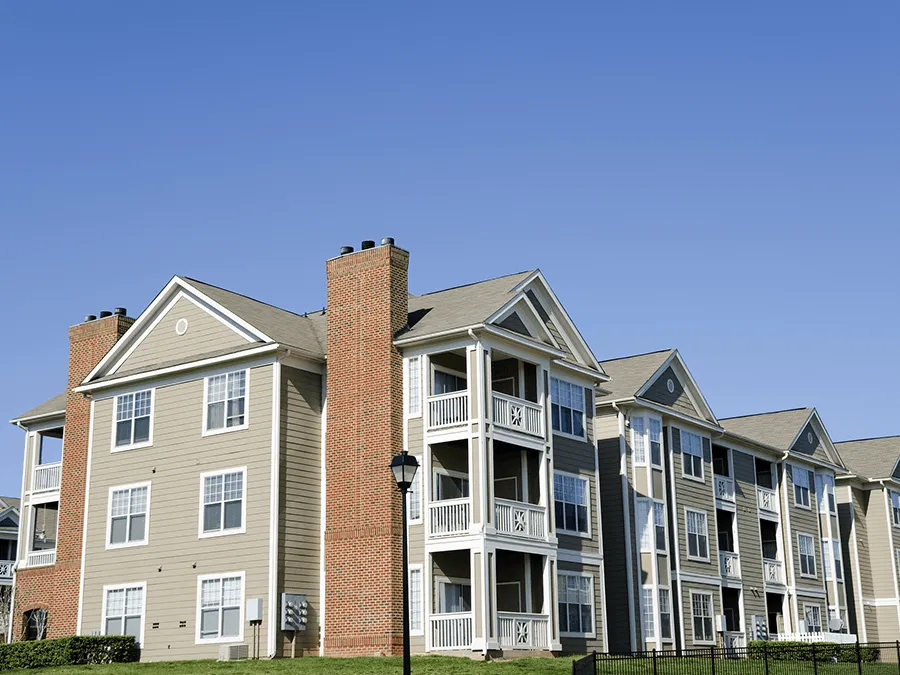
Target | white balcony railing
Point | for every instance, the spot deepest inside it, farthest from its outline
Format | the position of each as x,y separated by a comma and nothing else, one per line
515,413
730,565
448,410
839,638
735,640
767,499
773,571
451,631
449,516
724,488
45,477
6,569
524,631
517,518
40,558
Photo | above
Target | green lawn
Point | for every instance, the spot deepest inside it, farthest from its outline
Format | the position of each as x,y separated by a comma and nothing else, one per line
311,665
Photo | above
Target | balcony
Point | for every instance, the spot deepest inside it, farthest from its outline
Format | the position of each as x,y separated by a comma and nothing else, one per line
724,488
524,631
452,631
449,517
837,638
773,571
41,558
730,565
767,499
6,569
518,414
448,410
46,477
520,519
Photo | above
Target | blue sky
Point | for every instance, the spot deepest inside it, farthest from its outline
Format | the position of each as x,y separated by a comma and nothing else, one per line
719,177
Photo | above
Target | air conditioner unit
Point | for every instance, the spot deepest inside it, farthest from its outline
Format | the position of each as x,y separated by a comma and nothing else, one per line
234,652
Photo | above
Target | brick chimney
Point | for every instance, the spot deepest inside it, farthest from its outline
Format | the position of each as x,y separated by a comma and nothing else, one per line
367,305
56,588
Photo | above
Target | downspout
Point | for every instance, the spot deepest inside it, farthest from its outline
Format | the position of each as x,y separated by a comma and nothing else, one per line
629,572
789,547
274,491
485,507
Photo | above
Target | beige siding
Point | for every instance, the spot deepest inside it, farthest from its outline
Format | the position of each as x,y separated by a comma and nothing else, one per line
175,555
804,521
205,335
697,496
687,612
299,523
749,543
583,645
881,547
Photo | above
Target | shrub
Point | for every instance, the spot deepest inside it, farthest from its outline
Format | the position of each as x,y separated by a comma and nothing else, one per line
69,651
805,651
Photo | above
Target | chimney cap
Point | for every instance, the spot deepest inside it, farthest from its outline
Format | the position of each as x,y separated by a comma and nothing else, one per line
367,244
89,317
346,249
120,311
387,241
105,313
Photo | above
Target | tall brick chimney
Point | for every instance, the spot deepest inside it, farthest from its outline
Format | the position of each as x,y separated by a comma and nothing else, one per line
56,588
367,305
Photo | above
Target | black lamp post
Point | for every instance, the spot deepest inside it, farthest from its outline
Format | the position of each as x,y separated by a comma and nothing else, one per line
404,467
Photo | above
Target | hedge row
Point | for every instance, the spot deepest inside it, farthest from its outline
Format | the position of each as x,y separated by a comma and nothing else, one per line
806,651
69,651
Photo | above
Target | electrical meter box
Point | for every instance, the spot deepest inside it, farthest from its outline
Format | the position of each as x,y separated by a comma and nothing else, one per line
254,609
294,611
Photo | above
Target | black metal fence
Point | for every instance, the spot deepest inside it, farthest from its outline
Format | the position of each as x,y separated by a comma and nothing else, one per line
760,658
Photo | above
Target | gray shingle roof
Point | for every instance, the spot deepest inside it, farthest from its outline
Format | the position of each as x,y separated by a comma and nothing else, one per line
177,362
460,306
775,429
14,502
871,457
307,333
57,404
629,374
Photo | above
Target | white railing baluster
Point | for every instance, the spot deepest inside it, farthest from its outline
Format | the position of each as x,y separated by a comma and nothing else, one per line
46,477
519,519
518,414
447,410
524,631
451,631
448,517
766,499
724,488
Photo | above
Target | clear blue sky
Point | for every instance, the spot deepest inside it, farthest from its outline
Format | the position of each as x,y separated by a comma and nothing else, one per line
716,176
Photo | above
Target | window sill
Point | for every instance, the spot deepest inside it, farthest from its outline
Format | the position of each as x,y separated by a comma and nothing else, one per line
573,533
697,559
687,476
801,506
222,533
219,640
573,437
590,636
133,446
704,642
130,544
224,430
808,576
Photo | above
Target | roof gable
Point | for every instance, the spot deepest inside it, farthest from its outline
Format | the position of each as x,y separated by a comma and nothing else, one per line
813,440
872,458
788,430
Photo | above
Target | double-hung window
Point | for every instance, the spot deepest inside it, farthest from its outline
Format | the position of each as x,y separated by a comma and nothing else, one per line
133,415
895,508
128,507
826,559
223,502
567,407
123,610
638,440
414,495
416,604
642,518
414,386
220,608
655,442
648,612
570,496
697,535
576,604
665,614
800,478
813,616
828,495
702,616
807,551
692,455
659,525
226,401
838,560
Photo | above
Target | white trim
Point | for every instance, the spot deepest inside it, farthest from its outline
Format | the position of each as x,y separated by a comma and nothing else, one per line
197,616
409,494
127,543
675,356
687,510
115,407
602,566
322,512
517,338
583,411
537,325
679,625
407,369
119,587
819,608
587,496
794,486
421,569
702,477
222,532
274,490
87,495
800,556
204,430
625,487
590,577
712,609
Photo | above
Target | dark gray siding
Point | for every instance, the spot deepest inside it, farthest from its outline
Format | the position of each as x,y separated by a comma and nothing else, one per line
677,400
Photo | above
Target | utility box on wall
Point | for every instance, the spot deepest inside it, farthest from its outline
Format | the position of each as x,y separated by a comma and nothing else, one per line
255,610
294,611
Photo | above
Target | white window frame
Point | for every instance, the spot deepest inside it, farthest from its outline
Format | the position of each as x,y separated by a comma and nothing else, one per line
658,421
115,421
588,505
440,581
690,476
639,440
643,514
795,472
447,371
827,552
109,501
806,607
222,532
413,365
125,587
648,613
668,592
437,471
199,610
895,508
421,572
657,505
584,416
812,553
827,498
688,534
415,497
226,429
837,558
591,595
712,618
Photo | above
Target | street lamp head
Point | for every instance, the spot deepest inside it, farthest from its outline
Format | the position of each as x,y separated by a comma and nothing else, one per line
404,467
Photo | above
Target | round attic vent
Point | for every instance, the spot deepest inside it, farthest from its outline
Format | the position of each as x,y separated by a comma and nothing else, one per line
181,326
809,437
670,385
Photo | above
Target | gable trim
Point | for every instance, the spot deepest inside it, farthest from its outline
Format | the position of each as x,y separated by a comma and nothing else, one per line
510,307
828,445
702,405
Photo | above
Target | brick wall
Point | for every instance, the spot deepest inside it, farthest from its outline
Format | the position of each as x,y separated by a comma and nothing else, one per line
56,587
367,305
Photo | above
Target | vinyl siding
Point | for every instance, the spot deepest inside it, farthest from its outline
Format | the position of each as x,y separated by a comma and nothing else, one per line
881,547
300,493
578,458
677,400
697,496
205,334
174,557
749,542
687,613
850,514
804,521
583,645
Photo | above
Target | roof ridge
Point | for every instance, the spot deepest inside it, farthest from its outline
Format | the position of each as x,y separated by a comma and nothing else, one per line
475,283
247,297
872,438
635,356
770,412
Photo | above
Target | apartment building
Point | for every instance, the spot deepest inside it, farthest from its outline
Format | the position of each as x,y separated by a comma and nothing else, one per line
217,449
730,525
9,537
869,507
